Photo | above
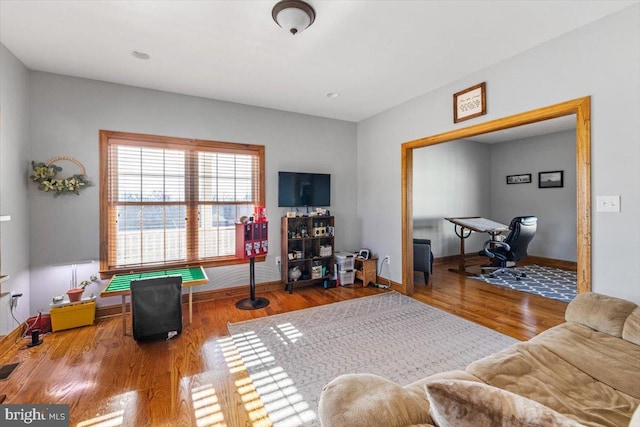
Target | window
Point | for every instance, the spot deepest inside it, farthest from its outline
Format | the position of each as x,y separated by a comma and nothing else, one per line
174,201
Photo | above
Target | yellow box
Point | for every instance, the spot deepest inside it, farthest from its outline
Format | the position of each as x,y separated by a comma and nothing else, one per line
72,316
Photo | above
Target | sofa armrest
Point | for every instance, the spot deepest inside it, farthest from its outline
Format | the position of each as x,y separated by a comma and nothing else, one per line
367,400
600,312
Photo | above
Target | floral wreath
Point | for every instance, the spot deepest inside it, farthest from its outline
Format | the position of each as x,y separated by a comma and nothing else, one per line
45,175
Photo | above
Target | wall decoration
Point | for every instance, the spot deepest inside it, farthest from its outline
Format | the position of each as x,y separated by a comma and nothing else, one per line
523,178
470,103
553,179
45,175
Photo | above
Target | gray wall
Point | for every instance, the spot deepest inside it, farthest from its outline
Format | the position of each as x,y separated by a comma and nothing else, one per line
14,143
601,60
63,116
554,207
450,180
68,112
465,178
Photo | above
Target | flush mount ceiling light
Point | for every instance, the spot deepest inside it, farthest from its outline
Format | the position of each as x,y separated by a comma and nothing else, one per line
293,15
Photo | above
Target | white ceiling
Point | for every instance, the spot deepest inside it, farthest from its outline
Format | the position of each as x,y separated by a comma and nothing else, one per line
376,54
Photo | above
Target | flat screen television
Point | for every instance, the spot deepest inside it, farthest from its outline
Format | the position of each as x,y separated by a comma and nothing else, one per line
304,189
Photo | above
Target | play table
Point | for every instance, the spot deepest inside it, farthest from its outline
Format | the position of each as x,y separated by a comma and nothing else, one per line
120,284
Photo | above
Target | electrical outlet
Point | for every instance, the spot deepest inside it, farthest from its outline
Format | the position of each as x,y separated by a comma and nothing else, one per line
278,260
387,259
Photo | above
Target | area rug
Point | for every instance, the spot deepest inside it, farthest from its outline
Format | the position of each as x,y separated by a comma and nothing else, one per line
291,356
545,281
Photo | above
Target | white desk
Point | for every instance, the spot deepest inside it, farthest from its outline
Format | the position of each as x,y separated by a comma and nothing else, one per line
464,226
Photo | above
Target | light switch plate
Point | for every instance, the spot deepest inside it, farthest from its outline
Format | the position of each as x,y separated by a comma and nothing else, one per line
608,204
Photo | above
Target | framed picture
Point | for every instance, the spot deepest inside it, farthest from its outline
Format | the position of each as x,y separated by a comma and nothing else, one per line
553,179
470,103
523,178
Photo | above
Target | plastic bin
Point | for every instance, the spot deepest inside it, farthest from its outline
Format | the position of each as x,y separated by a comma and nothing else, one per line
72,316
347,277
325,250
346,261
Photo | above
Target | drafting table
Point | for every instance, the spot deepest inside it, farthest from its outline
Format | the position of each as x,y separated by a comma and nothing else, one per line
464,226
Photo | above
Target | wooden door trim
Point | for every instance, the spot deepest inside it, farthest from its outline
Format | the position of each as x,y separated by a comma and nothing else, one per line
581,107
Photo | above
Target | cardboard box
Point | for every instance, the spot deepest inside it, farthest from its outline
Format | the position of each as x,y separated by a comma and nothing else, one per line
72,316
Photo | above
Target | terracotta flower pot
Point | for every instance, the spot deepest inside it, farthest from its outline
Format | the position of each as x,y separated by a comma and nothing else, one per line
75,294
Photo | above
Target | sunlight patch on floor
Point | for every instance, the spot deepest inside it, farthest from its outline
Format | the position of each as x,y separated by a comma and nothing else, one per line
248,395
287,333
115,417
112,419
207,409
270,388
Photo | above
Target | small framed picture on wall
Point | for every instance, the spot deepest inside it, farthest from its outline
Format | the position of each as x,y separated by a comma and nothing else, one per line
552,179
523,178
470,103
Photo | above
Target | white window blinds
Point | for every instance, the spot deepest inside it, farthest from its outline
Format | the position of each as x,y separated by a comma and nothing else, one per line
172,201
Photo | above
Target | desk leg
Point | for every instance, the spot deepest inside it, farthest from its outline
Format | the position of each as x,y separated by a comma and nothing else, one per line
190,304
462,269
124,315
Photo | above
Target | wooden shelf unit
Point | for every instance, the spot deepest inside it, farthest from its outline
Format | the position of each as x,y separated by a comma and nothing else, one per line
297,238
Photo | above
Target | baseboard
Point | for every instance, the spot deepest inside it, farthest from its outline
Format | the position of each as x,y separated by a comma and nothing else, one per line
214,294
12,336
556,263
546,262
394,285
451,258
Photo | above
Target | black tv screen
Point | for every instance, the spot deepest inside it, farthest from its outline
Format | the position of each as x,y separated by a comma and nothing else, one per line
304,189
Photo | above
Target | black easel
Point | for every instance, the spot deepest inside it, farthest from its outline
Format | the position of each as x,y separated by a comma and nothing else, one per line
252,303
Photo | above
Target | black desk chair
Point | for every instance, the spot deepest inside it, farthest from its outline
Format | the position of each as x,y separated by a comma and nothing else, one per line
423,258
511,249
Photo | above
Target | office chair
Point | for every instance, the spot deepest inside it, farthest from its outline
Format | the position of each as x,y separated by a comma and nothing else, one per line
423,258
511,249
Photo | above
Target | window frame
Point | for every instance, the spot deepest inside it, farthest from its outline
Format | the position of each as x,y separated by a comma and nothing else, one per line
191,190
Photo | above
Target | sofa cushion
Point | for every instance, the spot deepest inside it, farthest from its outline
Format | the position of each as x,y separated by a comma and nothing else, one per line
531,370
354,400
612,361
600,312
472,404
631,330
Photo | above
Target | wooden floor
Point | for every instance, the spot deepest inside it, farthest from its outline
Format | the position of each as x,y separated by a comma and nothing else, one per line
197,379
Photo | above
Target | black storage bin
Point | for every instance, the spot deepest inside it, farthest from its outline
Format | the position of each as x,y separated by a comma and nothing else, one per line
156,308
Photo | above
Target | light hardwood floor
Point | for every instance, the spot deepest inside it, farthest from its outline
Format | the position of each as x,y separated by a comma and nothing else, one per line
196,379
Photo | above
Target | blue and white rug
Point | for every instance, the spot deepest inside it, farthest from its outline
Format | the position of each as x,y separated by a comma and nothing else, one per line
548,282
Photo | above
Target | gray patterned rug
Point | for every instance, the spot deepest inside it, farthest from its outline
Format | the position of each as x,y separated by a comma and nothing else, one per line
291,356
548,282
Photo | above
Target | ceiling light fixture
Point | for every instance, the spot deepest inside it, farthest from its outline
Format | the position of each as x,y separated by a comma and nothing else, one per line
293,15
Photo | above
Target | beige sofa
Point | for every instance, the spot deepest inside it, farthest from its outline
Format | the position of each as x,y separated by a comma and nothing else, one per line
584,372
